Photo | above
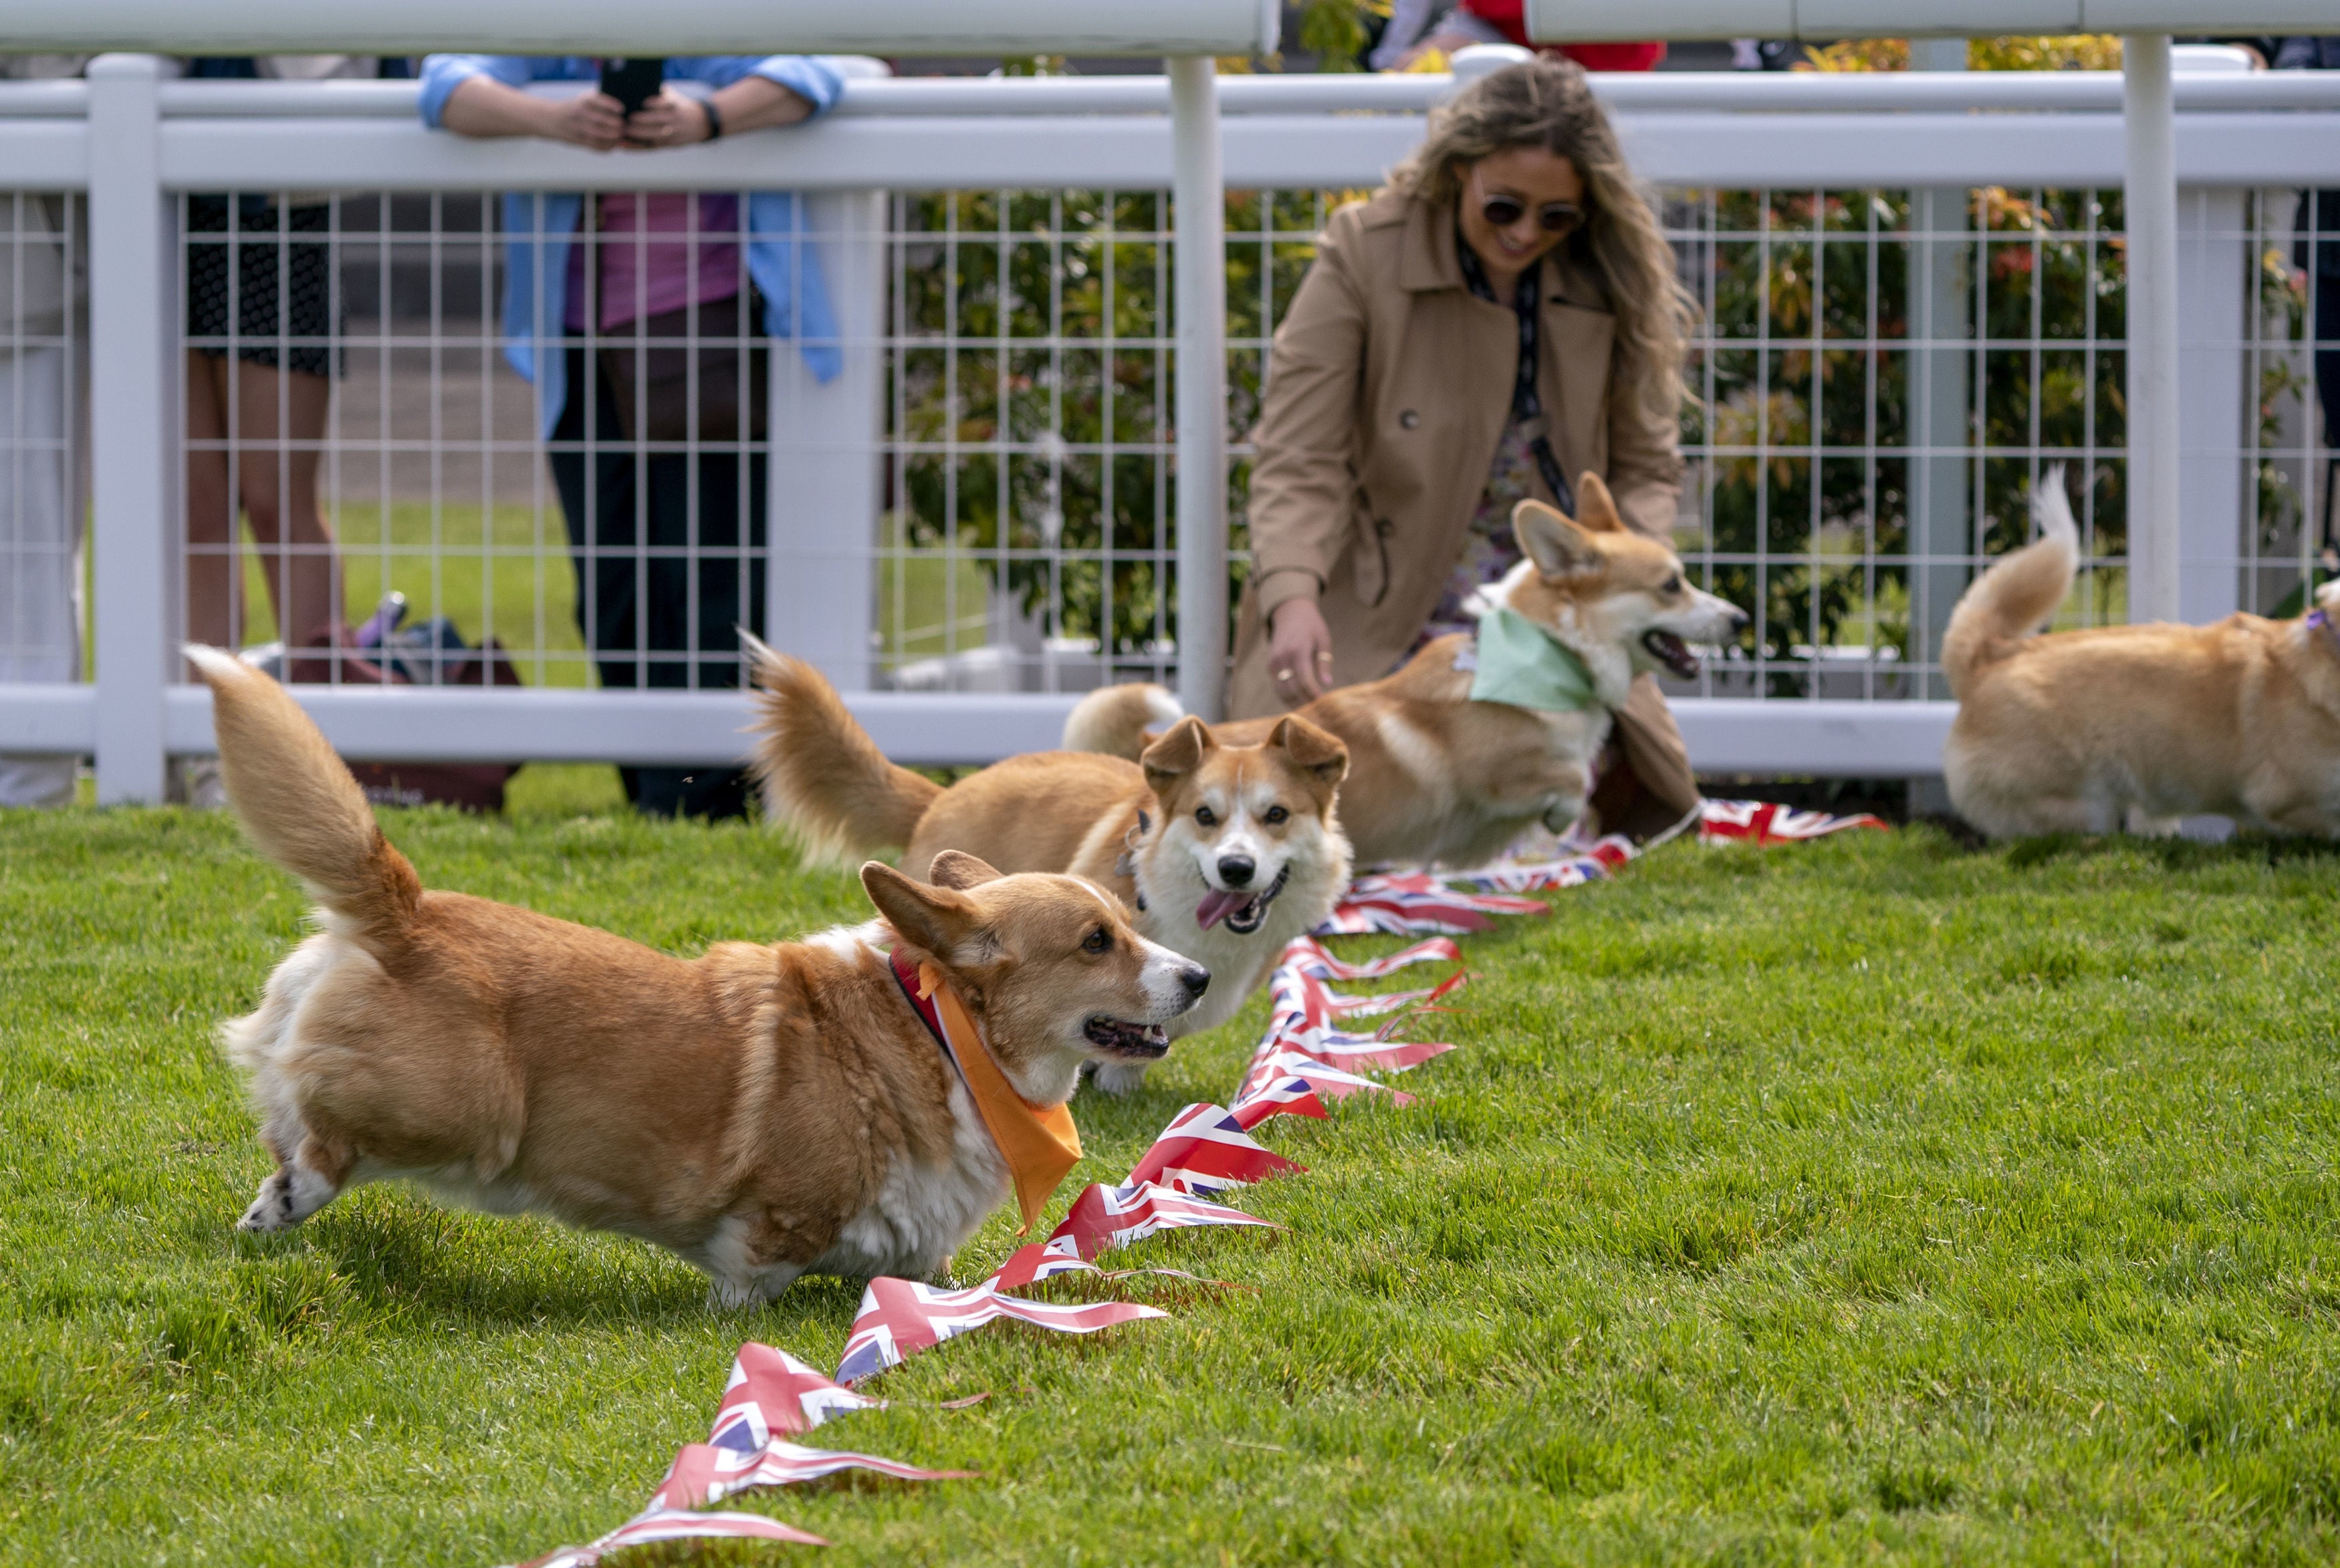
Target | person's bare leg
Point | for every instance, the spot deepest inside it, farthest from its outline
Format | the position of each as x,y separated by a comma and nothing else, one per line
279,487
215,613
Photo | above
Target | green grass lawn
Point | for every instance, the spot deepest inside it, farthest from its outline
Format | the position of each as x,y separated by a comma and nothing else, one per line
1867,1200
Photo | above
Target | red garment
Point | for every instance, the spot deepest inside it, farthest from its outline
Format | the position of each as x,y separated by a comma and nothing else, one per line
1509,17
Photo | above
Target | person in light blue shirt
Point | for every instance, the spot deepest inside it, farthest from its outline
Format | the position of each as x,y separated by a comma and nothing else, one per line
640,319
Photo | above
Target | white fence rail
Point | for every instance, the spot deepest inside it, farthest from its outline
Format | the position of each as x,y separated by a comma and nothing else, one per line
1770,175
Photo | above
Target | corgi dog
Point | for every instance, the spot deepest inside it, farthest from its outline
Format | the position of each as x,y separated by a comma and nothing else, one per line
761,1111
2134,726
1227,852
1436,777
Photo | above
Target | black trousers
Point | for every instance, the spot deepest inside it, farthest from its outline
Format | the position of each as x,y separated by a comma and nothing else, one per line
662,580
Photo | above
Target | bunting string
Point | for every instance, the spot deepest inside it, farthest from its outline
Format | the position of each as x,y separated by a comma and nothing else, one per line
1303,1061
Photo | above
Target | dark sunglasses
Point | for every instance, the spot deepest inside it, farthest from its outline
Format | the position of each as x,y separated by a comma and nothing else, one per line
1553,217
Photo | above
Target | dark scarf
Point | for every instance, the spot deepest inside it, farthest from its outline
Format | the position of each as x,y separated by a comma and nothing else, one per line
1525,405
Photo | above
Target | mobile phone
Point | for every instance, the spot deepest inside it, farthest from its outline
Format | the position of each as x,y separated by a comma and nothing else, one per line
633,82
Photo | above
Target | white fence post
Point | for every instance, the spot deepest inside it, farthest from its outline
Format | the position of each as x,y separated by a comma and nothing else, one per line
134,433
2214,293
2149,126
1198,193
825,454
1941,309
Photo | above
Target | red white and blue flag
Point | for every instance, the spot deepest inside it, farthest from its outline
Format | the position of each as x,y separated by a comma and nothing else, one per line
1297,988
1335,1049
656,1523
1595,865
702,1473
771,1392
1206,1150
1763,821
1104,1217
900,1318
1323,1080
1284,1096
1410,903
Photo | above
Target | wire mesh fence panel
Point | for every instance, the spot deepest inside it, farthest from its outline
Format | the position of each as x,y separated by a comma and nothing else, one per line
1877,379
394,466
1026,542
44,415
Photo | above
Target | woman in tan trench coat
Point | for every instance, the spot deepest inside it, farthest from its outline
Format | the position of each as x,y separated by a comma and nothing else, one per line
1404,415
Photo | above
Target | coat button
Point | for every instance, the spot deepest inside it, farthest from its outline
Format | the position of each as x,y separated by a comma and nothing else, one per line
1382,526
1408,419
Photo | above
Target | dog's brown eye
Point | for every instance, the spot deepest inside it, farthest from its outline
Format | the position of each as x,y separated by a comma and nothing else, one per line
1277,813
1099,940
1206,816
1672,584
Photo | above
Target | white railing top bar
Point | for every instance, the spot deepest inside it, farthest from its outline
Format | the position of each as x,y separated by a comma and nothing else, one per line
2045,91
1590,19
894,27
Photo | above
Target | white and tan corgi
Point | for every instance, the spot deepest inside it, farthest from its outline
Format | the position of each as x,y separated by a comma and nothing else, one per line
1437,778
761,1111
2134,726
1226,851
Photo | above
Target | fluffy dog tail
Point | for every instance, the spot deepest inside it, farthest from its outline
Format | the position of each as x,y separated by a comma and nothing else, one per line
302,808
824,778
2010,601
1113,719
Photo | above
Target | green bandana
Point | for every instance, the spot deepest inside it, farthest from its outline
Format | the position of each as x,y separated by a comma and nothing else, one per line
1521,664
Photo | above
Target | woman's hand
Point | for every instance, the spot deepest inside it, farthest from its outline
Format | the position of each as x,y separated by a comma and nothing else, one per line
1300,651
668,120
484,106
594,120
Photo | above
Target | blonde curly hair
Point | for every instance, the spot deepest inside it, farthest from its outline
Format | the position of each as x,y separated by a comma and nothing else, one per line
1548,104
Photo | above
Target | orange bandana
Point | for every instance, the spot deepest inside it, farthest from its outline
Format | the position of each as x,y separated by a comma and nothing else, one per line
1039,1142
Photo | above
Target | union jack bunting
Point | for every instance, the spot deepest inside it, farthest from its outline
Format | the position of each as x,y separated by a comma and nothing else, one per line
1762,822
1334,1049
1406,905
1104,1217
702,1473
656,1523
1284,1096
900,1318
1275,1066
1307,953
1296,987
1539,875
1206,1150
771,1392
1038,1260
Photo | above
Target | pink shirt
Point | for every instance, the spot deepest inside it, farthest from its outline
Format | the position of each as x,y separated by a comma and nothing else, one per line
643,276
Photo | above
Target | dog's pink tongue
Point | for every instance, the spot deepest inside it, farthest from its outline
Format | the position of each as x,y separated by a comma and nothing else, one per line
1216,906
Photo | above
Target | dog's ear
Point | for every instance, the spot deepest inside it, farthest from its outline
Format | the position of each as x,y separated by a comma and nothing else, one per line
1557,546
1596,508
2327,597
942,920
1318,751
1181,751
955,868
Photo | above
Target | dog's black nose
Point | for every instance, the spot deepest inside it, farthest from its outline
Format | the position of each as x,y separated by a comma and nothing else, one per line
1195,979
1739,619
1237,870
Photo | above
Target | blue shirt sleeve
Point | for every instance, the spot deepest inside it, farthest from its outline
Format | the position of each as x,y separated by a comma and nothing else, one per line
809,76
443,73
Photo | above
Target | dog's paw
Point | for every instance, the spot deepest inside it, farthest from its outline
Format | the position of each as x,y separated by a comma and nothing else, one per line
1120,1077
733,1294
274,1209
738,1293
